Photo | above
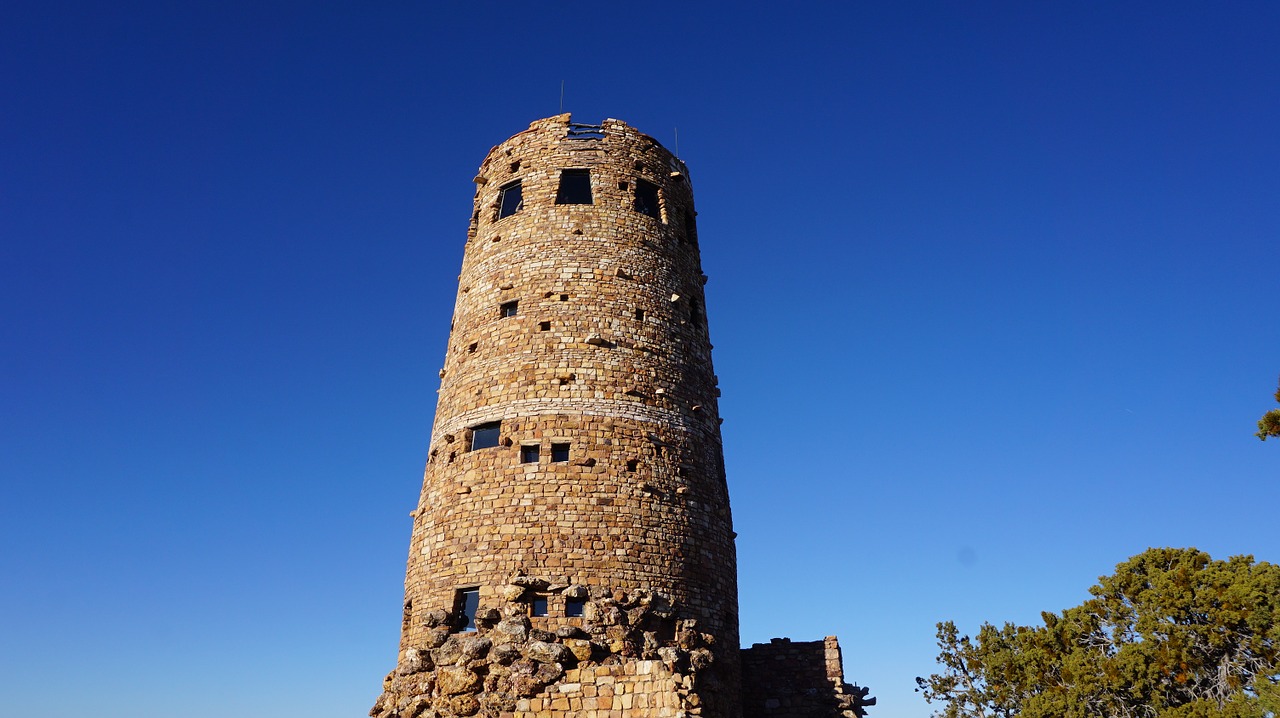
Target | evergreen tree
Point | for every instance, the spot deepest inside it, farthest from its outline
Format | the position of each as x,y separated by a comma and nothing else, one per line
1269,424
1172,634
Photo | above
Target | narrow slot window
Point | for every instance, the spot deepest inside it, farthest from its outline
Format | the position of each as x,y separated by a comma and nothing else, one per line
690,228
529,453
510,199
484,436
575,187
508,309
647,199
640,314
559,452
467,602
574,607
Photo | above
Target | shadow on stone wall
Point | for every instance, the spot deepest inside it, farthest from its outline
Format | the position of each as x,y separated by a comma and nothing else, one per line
782,679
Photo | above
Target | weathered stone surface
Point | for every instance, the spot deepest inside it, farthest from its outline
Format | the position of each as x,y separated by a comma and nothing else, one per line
570,632
544,652
497,703
548,672
463,705
701,659
505,653
437,617
514,628
450,652
415,661
537,634
531,583
435,637
453,680
474,647
580,648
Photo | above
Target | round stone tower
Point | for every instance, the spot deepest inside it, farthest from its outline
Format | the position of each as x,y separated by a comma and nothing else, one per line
574,498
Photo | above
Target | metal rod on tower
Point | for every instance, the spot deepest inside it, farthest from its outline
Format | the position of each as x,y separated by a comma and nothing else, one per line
561,97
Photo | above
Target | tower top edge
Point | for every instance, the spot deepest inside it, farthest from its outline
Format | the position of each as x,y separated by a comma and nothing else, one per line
562,126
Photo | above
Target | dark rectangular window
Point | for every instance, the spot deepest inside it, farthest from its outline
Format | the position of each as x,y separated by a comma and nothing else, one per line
574,607
559,452
690,228
538,606
508,309
466,602
484,436
575,187
529,453
544,326
647,199
510,199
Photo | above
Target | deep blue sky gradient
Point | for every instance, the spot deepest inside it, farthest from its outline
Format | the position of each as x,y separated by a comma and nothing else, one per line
992,292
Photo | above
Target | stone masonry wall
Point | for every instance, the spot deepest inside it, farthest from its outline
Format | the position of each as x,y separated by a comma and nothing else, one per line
782,679
578,327
628,656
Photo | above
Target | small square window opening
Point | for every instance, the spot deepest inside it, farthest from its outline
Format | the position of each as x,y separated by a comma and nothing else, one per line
574,607
538,606
575,187
484,436
544,326
529,453
510,199
508,309
559,452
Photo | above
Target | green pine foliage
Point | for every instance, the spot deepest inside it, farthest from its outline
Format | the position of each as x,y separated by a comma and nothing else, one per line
1269,424
1172,634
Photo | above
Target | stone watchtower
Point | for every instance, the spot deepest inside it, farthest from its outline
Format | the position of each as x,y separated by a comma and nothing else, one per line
573,551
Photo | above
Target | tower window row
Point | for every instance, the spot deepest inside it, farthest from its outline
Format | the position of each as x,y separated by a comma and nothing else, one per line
466,603
511,308
575,188
489,435
530,453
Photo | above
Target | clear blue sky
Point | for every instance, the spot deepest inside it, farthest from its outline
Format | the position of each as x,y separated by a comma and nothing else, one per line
993,294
